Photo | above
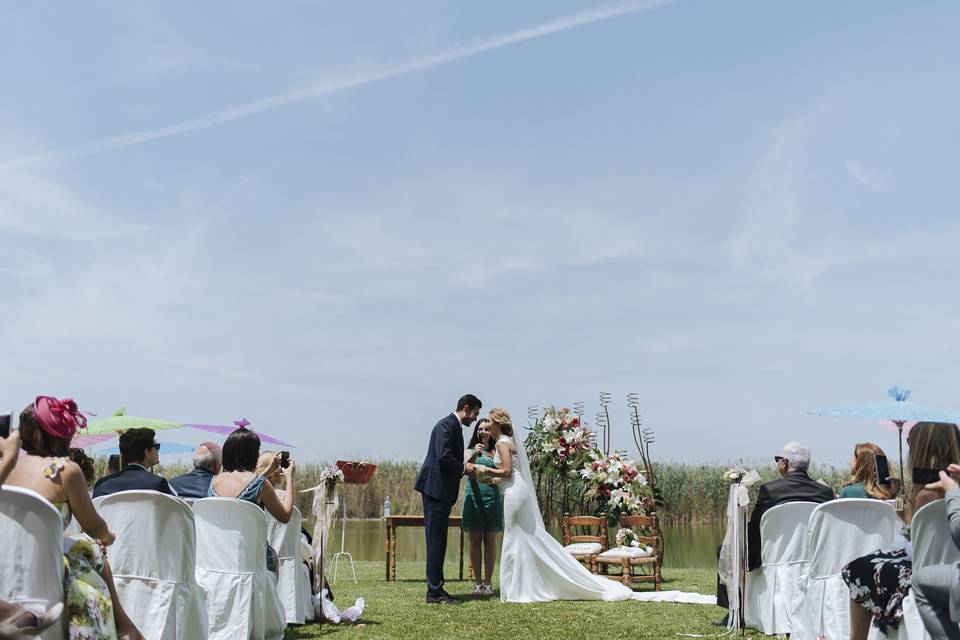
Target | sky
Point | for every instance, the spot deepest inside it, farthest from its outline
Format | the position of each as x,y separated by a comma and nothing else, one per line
335,218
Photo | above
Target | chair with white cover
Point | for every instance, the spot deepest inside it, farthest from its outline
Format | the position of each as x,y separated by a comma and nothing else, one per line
931,546
242,601
838,532
783,553
293,581
153,561
31,565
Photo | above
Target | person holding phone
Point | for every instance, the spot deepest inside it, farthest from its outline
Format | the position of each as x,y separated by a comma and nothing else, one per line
239,479
937,588
9,450
865,480
880,580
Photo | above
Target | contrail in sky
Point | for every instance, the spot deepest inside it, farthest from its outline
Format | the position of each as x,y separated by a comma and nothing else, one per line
381,72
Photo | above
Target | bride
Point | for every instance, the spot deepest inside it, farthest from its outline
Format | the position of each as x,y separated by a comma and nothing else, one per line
534,567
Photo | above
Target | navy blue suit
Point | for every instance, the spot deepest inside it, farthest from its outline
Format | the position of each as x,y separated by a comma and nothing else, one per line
195,484
130,478
439,484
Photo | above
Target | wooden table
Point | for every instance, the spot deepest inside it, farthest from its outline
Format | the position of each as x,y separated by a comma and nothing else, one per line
394,522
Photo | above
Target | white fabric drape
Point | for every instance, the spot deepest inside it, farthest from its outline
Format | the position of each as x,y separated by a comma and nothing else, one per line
839,531
291,584
242,600
154,563
783,552
31,565
325,505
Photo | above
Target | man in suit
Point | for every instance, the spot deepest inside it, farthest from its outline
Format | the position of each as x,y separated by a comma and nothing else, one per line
206,464
439,485
139,452
794,485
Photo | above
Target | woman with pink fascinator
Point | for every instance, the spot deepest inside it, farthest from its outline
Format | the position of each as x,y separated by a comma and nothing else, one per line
47,427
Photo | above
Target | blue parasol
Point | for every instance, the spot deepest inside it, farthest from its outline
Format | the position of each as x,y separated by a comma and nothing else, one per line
898,410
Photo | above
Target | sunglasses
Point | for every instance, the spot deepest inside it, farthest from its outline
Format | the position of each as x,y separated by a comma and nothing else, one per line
778,459
156,445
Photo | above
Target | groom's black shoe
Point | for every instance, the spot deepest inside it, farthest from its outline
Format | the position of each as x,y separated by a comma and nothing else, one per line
442,598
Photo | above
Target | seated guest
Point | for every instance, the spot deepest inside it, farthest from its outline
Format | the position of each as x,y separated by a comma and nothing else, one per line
113,463
863,482
879,581
239,480
794,486
140,452
937,588
206,464
93,608
16,620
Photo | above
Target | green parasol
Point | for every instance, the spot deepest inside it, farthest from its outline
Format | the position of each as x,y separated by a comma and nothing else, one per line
120,421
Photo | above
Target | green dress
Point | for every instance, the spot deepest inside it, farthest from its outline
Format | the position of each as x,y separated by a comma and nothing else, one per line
482,503
855,490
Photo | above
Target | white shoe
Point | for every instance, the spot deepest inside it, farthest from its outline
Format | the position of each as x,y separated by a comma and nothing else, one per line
488,589
478,590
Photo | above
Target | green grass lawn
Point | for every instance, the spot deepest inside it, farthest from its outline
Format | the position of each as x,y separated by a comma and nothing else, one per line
397,610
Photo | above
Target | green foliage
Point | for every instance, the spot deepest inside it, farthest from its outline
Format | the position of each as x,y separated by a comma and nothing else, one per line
691,492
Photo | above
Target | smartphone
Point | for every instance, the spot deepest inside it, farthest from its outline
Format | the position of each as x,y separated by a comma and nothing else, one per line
284,459
5,425
923,476
883,470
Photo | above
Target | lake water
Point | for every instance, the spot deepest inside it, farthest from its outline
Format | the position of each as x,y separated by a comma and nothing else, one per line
685,546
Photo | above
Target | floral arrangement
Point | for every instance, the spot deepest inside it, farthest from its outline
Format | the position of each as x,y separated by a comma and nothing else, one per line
627,538
331,475
562,436
734,474
617,483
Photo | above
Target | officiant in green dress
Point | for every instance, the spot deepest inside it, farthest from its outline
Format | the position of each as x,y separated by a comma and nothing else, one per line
482,511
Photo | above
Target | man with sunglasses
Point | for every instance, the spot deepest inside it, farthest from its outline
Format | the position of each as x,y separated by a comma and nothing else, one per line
794,485
139,452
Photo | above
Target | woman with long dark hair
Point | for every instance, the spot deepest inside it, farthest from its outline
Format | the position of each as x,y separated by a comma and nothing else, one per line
482,511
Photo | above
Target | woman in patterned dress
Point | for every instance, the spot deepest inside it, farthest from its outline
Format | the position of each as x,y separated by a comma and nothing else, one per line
46,428
880,580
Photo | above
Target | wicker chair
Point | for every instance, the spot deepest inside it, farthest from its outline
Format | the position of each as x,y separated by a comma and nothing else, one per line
585,529
648,568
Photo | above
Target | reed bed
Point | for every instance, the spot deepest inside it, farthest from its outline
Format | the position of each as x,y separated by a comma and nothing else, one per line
692,493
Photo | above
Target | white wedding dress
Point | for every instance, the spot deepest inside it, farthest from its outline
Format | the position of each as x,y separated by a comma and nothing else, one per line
534,567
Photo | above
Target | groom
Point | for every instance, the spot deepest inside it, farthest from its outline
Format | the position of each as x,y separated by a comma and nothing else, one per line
439,485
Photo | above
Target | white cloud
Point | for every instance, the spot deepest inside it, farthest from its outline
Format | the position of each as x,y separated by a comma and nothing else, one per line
373,74
870,178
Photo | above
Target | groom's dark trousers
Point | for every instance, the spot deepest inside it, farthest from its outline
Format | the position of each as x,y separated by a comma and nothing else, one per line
436,518
439,484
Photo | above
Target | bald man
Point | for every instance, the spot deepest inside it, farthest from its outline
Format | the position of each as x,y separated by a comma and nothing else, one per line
206,464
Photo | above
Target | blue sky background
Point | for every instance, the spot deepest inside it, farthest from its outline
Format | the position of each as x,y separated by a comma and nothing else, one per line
739,210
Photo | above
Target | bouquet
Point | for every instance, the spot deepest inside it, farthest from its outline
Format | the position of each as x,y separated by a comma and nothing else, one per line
331,476
618,483
562,436
627,538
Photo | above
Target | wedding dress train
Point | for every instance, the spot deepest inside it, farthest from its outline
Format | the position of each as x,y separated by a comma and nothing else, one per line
534,567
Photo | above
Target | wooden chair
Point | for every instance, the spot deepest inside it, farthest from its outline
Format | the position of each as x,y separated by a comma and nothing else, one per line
585,529
647,569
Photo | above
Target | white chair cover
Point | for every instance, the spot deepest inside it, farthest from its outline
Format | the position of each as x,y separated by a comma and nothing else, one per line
291,585
839,531
306,560
783,551
154,563
242,600
31,565
930,536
